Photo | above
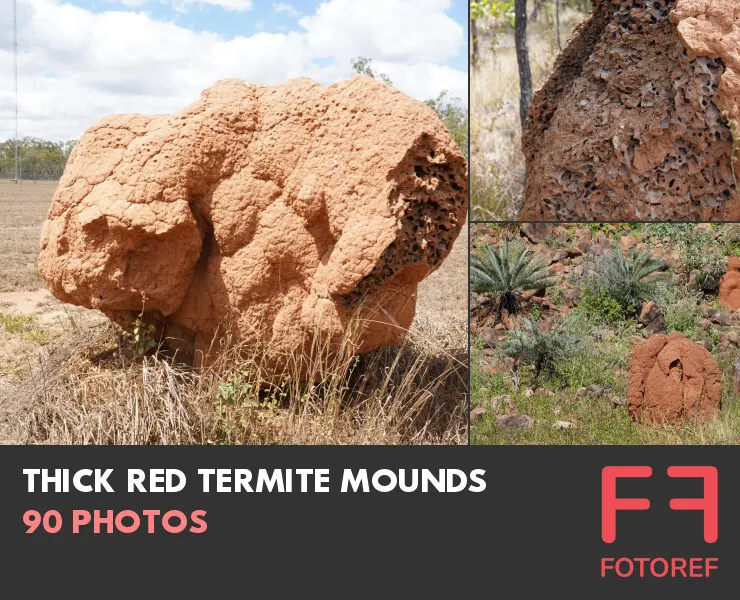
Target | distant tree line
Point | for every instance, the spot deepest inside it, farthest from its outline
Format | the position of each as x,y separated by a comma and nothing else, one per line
39,159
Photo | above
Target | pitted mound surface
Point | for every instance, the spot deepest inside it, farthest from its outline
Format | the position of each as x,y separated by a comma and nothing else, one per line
673,380
634,122
273,212
729,285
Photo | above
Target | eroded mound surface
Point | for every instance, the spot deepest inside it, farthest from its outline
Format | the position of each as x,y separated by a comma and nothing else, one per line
273,213
635,123
729,285
673,379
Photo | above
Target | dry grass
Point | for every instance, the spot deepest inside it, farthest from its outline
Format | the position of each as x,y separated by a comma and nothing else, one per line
496,160
97,391
23,209
86,385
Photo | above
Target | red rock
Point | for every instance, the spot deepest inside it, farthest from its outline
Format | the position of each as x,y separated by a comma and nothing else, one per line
651,318
732,337
477,414
536,232
269,213
673,379
649,312
519,421
627,242
508,322
582,239
729,285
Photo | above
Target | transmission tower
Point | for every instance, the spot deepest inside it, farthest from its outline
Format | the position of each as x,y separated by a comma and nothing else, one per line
15,59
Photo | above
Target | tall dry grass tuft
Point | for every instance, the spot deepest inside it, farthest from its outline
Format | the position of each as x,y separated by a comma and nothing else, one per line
95,390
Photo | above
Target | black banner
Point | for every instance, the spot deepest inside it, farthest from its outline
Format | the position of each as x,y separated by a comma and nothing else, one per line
537,527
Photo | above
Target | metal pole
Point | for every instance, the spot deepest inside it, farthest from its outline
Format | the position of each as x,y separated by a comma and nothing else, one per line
15,58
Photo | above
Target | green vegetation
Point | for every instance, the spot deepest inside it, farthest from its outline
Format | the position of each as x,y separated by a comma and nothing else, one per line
494,15
506,272
682,316
629,279
566,364
544,350
39,159
598,304
451,112
364,66
27,326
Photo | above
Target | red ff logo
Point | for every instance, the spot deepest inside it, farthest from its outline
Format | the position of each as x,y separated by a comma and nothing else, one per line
610,504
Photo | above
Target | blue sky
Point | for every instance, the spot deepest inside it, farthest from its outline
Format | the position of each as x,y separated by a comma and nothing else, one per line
82,59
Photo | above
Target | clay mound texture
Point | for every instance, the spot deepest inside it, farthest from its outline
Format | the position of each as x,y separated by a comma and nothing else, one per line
270,213
635,121
673,380
729,285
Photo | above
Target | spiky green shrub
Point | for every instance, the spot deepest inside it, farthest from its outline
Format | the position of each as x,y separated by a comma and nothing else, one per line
630,279
507,271
598,305
543,350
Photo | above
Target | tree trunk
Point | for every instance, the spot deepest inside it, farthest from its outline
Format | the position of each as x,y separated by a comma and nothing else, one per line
474,34
557,22
536,10
522,57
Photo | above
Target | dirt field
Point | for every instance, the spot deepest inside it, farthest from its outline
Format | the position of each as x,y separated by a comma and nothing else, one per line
23,209
41,338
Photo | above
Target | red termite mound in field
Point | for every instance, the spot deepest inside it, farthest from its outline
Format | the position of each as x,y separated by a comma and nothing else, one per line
729,285
276,214
635,123
673,379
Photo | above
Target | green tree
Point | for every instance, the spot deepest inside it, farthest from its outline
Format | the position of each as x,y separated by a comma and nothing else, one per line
494,16
39,159
452,112
364,66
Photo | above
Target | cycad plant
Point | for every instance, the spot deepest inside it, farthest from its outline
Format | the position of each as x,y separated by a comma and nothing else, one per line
630,279
544,350
507,271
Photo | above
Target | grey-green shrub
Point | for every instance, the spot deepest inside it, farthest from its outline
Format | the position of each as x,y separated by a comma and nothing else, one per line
543,350
630,279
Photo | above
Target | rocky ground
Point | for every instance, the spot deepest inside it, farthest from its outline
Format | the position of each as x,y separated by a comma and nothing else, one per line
583,398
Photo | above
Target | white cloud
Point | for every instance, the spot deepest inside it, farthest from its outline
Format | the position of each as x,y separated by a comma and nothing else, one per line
230,5
426,80
284,7
129,3
76,66
408,31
